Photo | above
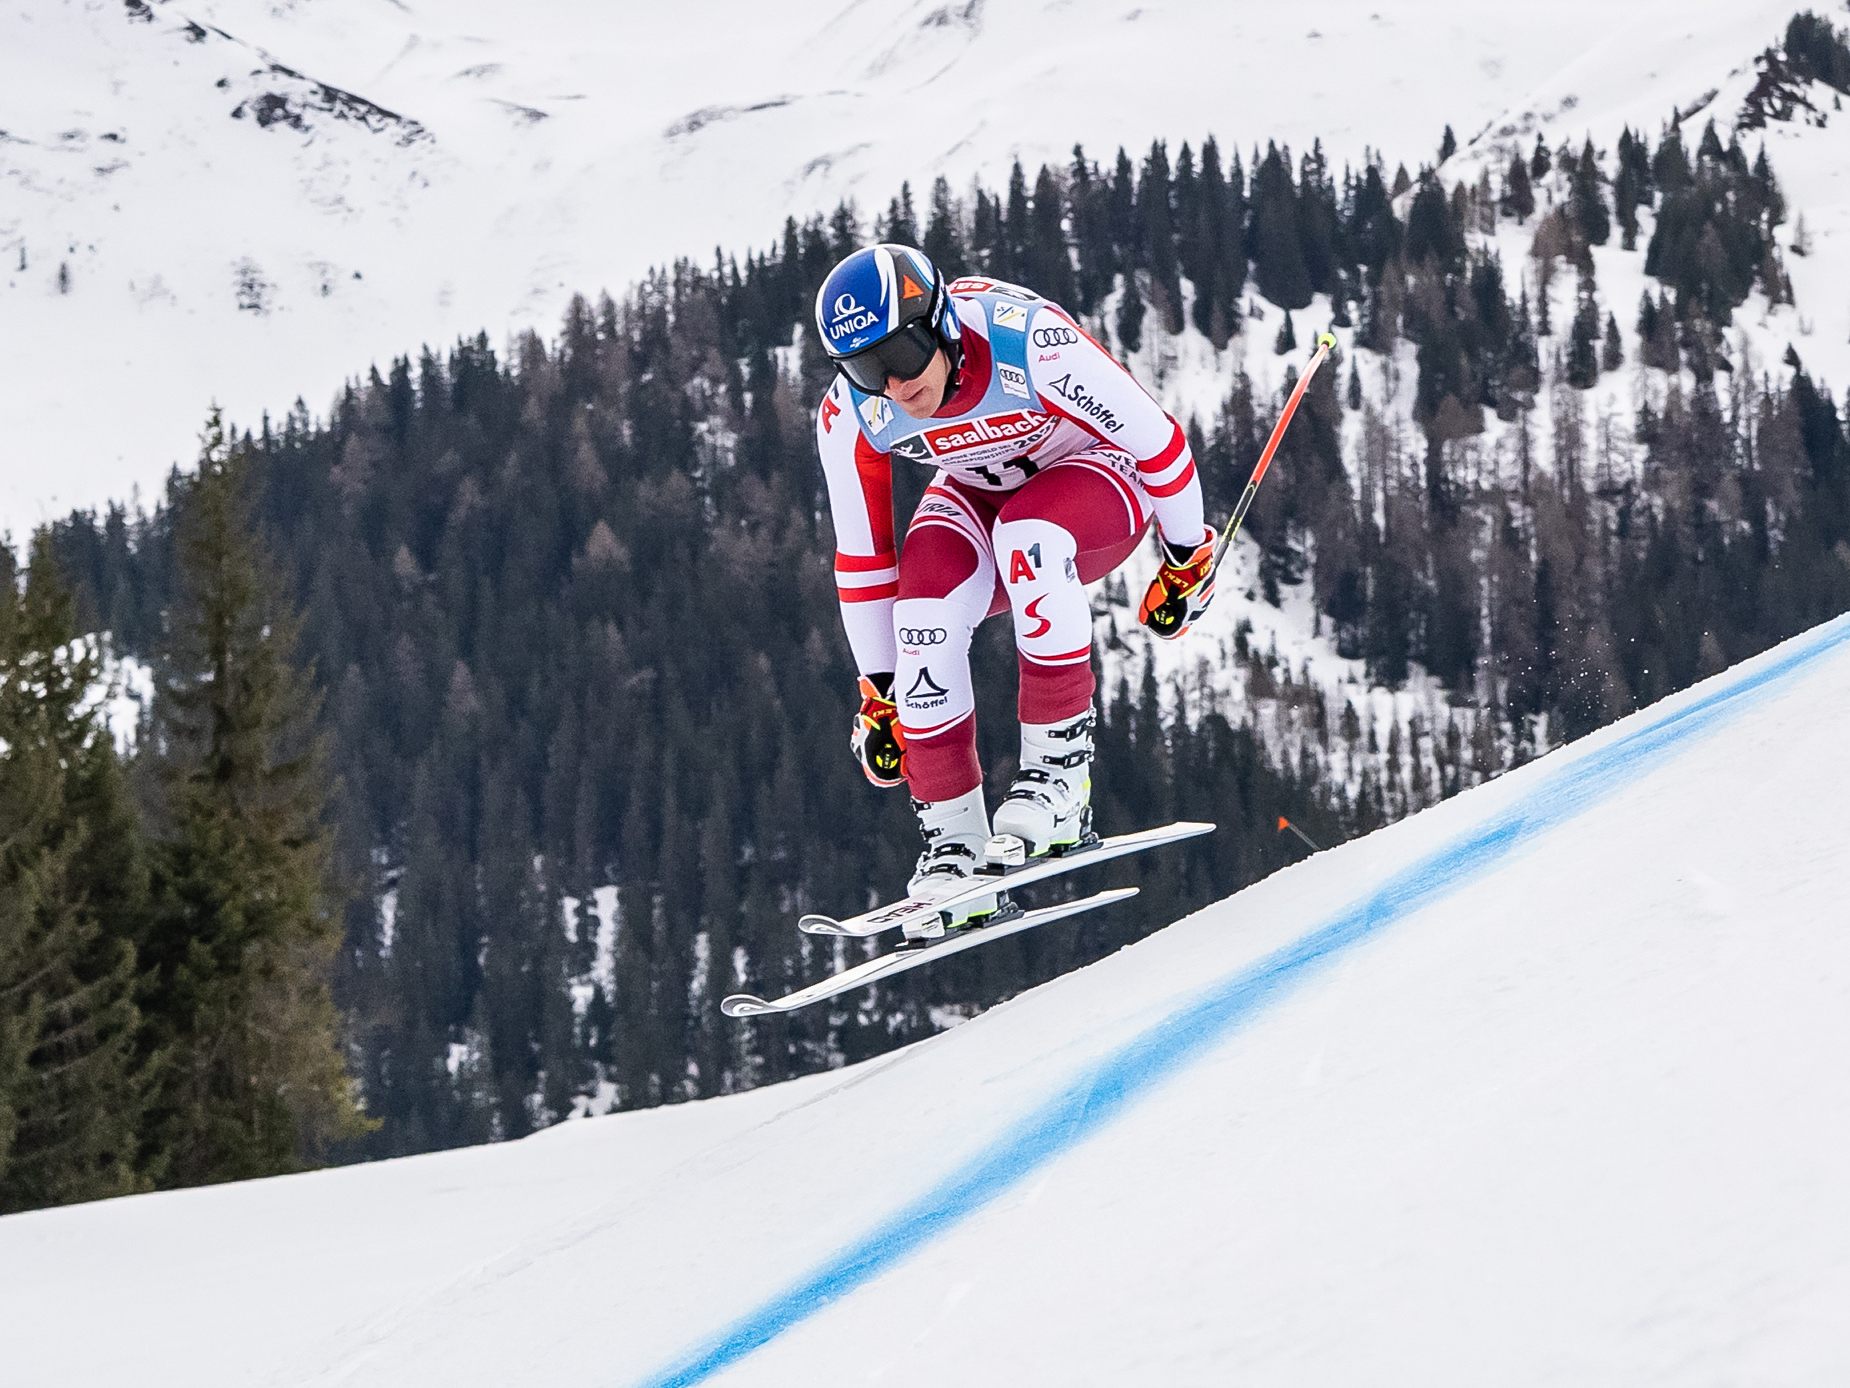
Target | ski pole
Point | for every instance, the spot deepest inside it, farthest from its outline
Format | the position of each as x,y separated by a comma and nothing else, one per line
1168,617
1325,341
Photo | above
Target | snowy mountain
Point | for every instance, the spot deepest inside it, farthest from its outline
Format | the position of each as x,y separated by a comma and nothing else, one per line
249,201
1543,1085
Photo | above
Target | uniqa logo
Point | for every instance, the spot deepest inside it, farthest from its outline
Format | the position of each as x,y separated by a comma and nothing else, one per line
850,317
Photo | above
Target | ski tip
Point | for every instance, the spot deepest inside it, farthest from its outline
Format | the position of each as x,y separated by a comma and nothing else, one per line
819,925
1188,828
745,1005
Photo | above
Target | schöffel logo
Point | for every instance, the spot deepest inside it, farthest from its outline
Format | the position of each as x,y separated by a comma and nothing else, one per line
921,636
1055,337
850,317
1086,404
926,693
995,428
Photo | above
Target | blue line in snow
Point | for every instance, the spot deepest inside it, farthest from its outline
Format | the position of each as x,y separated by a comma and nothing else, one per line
1108,1087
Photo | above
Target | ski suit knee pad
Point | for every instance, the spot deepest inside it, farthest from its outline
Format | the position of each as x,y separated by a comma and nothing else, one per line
931,680
1040,574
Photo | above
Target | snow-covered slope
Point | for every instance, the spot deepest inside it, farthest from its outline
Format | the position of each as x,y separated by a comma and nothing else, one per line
1544,1085
250,200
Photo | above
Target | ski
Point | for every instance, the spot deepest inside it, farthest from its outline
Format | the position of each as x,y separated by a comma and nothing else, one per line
905,911
911,956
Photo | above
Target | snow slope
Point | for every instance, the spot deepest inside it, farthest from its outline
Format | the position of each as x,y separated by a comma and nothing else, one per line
1544,1085
251,200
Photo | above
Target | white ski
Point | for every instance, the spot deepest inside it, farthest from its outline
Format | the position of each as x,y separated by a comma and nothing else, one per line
910,957
905,911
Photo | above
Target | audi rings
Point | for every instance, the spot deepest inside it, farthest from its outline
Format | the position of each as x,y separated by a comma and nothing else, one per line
921,636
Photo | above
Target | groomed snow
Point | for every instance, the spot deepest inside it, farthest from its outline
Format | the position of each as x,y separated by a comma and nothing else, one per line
1542,1086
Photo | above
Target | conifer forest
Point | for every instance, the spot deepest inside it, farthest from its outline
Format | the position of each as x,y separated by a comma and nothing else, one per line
500,710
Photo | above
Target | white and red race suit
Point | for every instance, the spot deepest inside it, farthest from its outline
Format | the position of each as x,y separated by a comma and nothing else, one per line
1051,460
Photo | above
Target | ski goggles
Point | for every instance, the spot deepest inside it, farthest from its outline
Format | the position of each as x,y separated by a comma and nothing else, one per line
904,354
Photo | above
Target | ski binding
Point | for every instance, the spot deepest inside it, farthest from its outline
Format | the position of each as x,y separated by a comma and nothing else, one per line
1002,876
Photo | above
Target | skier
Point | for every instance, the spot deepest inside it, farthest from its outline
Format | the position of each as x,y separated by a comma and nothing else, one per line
1050,463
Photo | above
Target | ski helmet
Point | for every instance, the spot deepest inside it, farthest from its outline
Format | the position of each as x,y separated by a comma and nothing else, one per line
883,311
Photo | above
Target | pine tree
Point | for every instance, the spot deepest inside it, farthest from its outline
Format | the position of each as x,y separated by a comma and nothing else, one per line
1096,256
1156,219
1220,248
1518,199
900,222
1539,161
1011,260
1287,340
1319,221
1583,338
1432,231
1277,253
1670,165
72,892
1049,265
1586,202
1612,349
1522,368
246,916
1130,316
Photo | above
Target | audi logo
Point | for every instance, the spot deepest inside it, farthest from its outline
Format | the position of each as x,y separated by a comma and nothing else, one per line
1055,337
921,636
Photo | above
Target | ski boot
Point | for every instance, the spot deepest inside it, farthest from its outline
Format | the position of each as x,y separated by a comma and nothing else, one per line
955,832
1048,808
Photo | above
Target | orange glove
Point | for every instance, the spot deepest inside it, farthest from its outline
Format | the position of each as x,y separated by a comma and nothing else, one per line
878,743
1182,589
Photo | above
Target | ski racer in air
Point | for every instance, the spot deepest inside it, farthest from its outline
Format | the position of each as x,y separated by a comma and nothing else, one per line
1050,461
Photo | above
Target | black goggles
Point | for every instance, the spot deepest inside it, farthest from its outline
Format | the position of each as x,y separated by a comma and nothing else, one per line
904,354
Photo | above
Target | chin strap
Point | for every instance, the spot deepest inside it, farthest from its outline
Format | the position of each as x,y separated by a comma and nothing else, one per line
953,378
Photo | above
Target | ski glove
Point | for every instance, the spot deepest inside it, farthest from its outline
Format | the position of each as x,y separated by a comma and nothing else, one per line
878,744
1182,589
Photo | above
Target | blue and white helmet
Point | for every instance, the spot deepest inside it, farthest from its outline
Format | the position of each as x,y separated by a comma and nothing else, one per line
873,297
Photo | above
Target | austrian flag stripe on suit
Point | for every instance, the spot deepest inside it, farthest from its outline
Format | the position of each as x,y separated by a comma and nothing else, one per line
868,578
1171,470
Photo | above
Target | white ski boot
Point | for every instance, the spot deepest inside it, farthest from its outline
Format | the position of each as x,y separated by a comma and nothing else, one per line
1049,805
955,832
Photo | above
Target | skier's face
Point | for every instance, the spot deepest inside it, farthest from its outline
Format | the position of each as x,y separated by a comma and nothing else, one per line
924,393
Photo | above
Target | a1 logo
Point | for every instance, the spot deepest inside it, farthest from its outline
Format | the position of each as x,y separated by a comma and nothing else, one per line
1019,566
